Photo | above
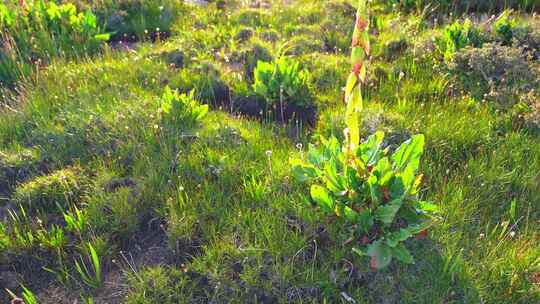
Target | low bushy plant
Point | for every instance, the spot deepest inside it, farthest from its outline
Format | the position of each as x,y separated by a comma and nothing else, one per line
32,33
504,28
374,196
180,110
282,83
457,36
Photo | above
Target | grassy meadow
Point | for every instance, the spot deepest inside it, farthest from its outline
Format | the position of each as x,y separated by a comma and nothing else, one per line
146,147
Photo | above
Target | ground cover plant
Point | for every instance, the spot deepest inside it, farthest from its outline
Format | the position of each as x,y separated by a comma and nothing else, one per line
35,32
284,88
147,171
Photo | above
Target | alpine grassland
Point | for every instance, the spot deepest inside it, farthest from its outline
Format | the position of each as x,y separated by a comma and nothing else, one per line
269,151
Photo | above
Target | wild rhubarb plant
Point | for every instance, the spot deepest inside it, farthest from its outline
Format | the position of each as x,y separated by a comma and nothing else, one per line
373,193
180,110
458,35
282,84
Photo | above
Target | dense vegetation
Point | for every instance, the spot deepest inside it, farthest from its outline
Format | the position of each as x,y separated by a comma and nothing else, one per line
167,152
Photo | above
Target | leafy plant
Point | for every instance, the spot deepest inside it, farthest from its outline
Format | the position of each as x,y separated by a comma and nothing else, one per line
374,195
91,276
457,36
20,235
75,221
35,32
181,109
282,79
52,238
504,27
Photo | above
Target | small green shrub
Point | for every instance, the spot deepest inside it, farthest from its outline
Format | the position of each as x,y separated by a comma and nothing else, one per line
282,81
33,33
375,196
504,28
180,110
60,189
457,36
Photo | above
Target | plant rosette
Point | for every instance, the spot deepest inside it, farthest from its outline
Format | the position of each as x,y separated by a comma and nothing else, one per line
375,196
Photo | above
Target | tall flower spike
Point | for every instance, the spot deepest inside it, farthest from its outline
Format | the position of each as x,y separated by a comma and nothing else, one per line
360,50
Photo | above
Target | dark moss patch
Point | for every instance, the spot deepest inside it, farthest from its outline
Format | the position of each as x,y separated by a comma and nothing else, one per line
175,58
244,34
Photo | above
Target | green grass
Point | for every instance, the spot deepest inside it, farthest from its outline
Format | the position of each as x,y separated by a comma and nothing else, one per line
209,211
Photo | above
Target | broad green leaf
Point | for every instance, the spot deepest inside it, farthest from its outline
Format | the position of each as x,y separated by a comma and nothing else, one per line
371,150
383,171
203,110
401,253
103,37
353,180
350,214
321,196
90,20
387,213
365,221
397,187
427,207
303,172
334,182
409,153
394,238
381,252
